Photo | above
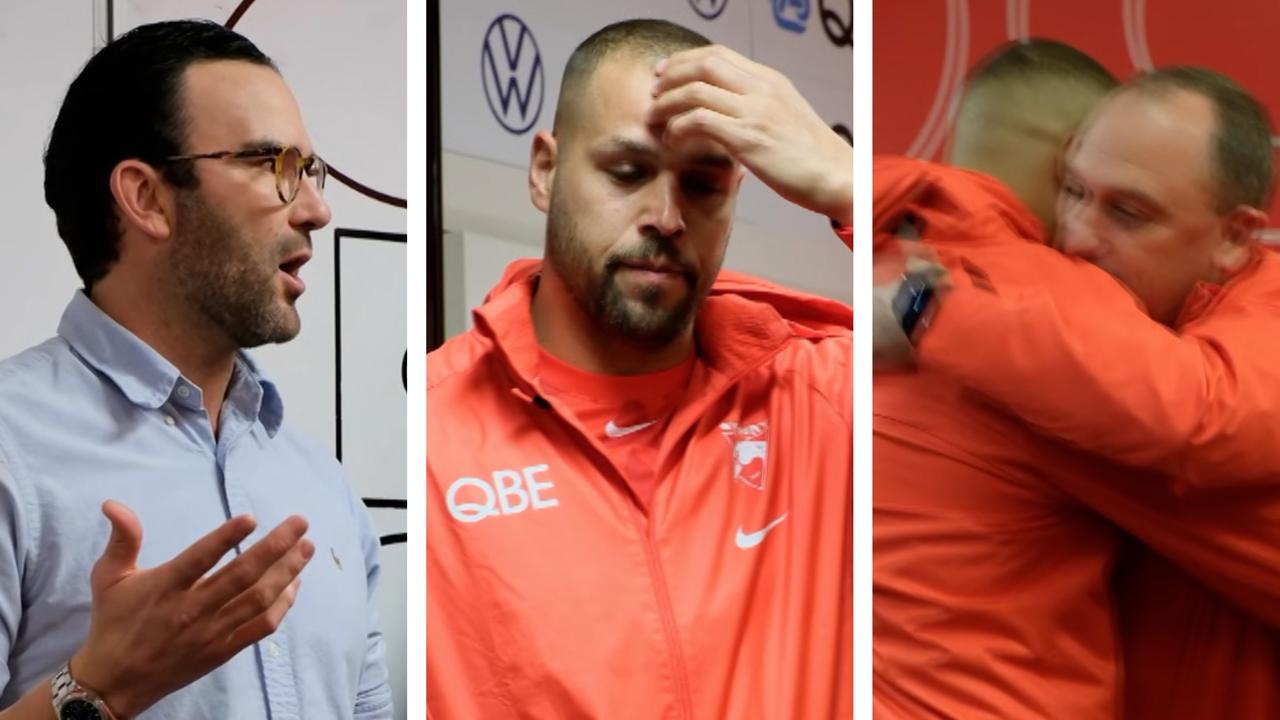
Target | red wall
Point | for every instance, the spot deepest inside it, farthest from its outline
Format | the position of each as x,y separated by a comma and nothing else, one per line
923,48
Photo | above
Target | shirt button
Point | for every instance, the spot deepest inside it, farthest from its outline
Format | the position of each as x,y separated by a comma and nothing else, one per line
273,649
183,391
168,420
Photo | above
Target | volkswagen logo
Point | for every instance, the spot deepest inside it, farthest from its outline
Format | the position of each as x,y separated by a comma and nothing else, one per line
512,73
709,9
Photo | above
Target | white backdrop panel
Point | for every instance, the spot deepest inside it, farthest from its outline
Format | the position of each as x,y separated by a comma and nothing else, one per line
373,319
496,48
42,45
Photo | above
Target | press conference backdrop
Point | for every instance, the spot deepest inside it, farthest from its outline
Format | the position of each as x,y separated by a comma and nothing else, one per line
345,62
500,75
923,50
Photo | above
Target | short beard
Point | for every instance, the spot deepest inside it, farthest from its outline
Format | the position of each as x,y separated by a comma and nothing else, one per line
221,276
640,322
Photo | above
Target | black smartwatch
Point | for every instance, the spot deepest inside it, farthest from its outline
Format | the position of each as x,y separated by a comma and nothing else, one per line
914,296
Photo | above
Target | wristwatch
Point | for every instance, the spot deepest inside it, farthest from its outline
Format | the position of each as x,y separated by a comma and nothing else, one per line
912,301
71,701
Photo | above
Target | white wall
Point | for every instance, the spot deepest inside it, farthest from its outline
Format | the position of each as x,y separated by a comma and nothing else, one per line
42,45
486,206
345,62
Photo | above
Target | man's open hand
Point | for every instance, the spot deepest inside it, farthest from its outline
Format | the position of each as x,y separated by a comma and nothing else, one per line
154,631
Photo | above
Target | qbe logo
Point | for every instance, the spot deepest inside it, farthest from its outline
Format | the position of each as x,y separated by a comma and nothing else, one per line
792,15
511,70
709,9
510,492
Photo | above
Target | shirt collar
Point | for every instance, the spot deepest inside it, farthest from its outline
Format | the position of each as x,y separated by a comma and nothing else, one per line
270,405
144,376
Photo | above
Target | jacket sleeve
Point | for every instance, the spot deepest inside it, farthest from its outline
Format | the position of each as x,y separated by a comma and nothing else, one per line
1195,417
1065,347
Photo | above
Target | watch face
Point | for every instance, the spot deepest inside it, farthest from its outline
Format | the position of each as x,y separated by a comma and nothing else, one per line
79,709
912,299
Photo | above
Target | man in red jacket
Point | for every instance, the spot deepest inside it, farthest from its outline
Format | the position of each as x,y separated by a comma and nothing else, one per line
639,494
1127,387
991,595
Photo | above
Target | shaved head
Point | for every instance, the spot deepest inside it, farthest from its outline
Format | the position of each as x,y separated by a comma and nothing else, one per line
1030,62
637,40
1020,105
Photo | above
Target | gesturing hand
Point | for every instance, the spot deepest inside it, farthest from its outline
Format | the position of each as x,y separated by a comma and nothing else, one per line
154,631
760,117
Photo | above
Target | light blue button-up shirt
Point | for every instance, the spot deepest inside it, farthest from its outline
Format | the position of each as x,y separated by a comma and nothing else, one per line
95,414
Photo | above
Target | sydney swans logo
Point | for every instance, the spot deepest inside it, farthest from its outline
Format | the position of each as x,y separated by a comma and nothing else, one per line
511,70
750,445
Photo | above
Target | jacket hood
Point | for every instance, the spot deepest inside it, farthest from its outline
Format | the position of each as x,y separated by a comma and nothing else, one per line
743,321
815,312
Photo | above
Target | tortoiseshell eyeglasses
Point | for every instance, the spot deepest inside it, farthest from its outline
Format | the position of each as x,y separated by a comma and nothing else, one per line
290,166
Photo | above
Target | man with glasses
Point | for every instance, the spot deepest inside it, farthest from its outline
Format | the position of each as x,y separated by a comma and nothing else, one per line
185,189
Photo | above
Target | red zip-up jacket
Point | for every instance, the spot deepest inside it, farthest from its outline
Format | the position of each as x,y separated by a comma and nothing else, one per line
992,592
552,594
1069,350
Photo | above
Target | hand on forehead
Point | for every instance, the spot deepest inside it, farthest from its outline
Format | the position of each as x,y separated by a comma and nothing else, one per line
617,108
703,90
757,114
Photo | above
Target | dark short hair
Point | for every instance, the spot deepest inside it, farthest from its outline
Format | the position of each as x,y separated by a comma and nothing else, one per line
1242,151
125,103
643,37
1034,60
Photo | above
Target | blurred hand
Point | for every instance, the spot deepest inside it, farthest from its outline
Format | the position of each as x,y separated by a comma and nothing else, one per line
894,258
891,349
154,631
758,116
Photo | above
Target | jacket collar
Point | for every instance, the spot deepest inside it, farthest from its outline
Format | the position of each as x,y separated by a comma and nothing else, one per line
739,326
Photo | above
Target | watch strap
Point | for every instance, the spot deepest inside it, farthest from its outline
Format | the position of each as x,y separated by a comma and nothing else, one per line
65,689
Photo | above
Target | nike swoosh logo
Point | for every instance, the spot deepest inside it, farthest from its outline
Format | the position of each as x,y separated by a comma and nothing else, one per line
750,540
614,431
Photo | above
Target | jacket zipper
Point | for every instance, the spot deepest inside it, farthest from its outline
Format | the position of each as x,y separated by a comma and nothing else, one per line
662,596
666,613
